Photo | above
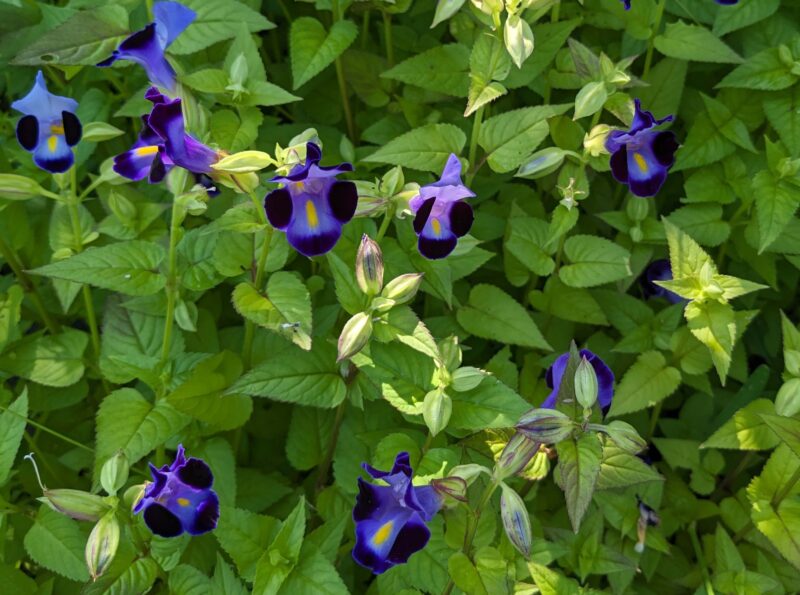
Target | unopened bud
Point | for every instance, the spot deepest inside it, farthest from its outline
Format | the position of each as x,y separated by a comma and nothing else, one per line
133,494
102,545
14,187
436,410
515,456
369,266
76,504
114,473
469,472
542,163
594,141
625,437
548,426
402,289
516,521
392,182
355,335
450,488
637,209
586,384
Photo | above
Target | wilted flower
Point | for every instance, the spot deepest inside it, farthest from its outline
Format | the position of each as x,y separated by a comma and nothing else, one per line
49,129
313,205
180,498
642,156
659,270
647,518
605,379
441,215
146,47
391,520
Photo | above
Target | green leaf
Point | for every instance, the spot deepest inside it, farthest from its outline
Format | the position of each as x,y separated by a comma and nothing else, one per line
686,257
776,203
309,436
694,43
264,94
590,99
52,360
703,222
202,396
491,404
579,462
87,38
127,421
743,14
465,575
493,314
714,325
314,575
551,582
568,303
780,525
312,49
786,428
236,131
445,9
207,80
196,261
705,144
647,382
764,71
593,261
217,21
746,430
488,63
281,557
245,536
127,267
620,469
12,427
728,124
55,541
509,138
783,112
442,69
426,148
304,377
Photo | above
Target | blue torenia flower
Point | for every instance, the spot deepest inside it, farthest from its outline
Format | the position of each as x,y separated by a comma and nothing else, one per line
659,270
313,205
180,498
441,214
605,379
642,156
391,520
146,47
147,157
49,129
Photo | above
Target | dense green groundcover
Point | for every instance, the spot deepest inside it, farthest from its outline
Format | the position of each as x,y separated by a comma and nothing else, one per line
136,317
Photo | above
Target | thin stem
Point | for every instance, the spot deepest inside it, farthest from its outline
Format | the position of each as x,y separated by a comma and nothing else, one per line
258,280
171,287
654,419
387,38
387,219
473,143
43,428
701,559
10,256
365,29
325,465
555,12
348,114
648,60
428,441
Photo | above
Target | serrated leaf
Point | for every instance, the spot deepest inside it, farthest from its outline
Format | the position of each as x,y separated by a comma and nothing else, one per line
55,541
215,22
579,462
281,557
743,14
442,69
426,148
236,131
647,382
714,325
593,261
244,536
620,469
491,404
776,203
764,71
51,360
694,43
746,430
786,428
312,49
12,428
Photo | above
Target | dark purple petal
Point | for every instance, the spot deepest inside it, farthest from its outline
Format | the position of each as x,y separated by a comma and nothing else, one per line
196,473
158,169
627,4
605,379
664,146
53,154
429,501
343,200
28,132
155,96
372,501
436,248
451,174
375,539
421,218
208,183
644,120
645,174
144,48
658,270
207,516
412,538
461,218
402,464
619,165
614,140
726,2
72,128
161,521
278,205
313,229
137,163
166,120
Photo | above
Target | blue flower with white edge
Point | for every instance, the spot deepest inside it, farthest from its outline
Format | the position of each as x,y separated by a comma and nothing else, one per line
49,128
147,47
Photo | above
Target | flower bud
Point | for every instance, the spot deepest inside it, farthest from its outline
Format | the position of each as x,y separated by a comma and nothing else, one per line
541,163
244,162
548,426
586,384
102,545
625,437
14,187
637,209
515,456
392,182
76,504
114,473
516,521
451,488
594,141
369,266
402,289
355,335
469,472
133,494
436,410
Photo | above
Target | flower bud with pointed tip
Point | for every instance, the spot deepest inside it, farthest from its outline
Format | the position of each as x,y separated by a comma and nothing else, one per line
76,504
515,456
133,494
469,472
450,488
355,335
586,388
625,436
548,426
369,266
516,521
102,545
15,187
114,473
403,289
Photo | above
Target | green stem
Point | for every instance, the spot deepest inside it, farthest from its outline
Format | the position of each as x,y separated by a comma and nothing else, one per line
428,441
387,39
387,219
325,465
473,143
348,113
171,287
701,559
10,256
555,12
365,29
258,280
472,527
44,428
654,419
648,60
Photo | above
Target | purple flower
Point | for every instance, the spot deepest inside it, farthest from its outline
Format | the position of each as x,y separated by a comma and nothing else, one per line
49,129
180,498
146,47
441,215
147,157
605,379
659,270
313,205
391,520
642,156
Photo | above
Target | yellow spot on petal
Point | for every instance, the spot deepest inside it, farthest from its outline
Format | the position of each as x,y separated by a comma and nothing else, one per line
57,128
52,143
641,162
299,186
311,215
183,502
145,151
437,227
383,533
